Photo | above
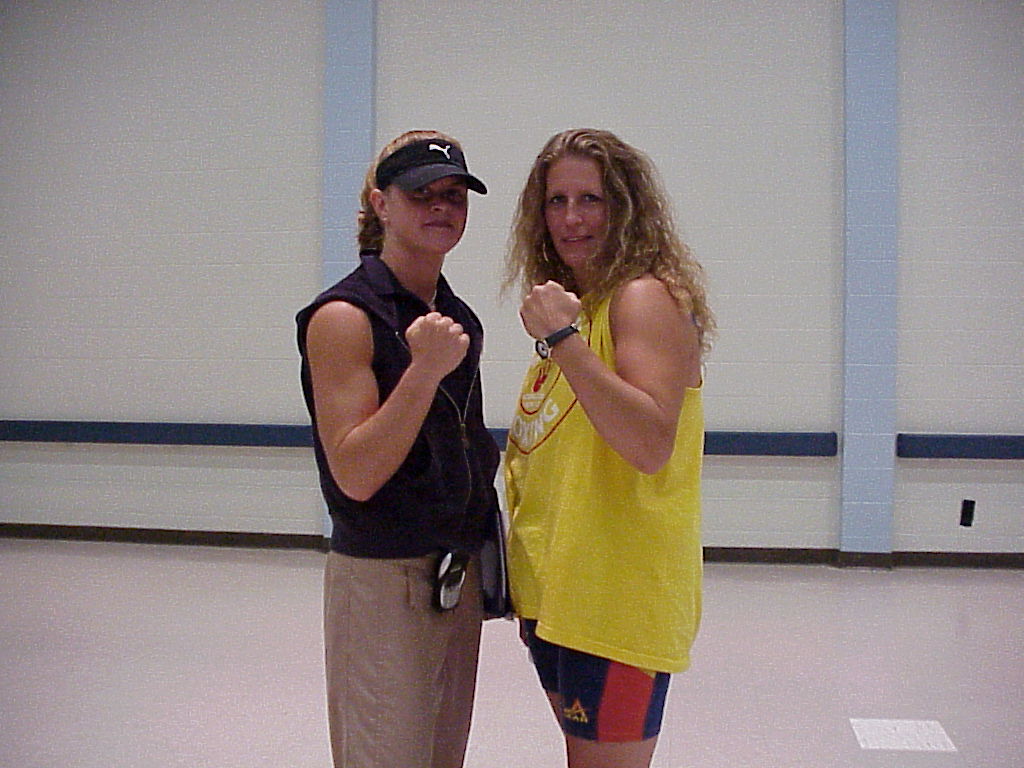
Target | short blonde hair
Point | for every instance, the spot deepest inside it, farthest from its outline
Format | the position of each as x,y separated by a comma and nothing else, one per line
371,230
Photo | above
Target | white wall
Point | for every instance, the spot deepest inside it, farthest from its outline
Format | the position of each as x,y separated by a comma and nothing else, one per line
961,353
160,219
157,156
267,490
160,207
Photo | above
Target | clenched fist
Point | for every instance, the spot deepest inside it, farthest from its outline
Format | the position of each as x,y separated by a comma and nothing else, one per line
548,308
437,343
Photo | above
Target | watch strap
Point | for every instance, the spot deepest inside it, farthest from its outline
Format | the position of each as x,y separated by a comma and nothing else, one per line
543,346
561,333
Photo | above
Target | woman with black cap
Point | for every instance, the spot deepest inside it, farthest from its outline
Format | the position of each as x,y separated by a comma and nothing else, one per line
390,374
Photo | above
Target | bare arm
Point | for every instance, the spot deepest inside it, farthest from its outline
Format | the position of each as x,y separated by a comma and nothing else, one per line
367,441
634,407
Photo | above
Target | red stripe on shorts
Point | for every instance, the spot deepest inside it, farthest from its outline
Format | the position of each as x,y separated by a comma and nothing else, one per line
624,704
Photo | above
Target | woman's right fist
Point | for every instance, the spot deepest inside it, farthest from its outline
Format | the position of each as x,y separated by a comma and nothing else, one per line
437,343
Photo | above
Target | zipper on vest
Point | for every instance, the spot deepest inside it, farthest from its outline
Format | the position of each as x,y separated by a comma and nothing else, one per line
464,430
461,414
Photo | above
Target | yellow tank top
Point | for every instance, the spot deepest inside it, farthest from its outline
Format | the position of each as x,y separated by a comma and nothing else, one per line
607,559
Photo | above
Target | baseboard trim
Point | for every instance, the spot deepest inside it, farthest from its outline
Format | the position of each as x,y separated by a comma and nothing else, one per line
769,555
835,557
754,555
960,559
796,556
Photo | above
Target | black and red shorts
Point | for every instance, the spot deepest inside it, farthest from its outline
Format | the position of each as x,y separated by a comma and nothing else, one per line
602,700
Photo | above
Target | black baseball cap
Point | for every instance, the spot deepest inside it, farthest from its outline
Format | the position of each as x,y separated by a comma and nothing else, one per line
417,164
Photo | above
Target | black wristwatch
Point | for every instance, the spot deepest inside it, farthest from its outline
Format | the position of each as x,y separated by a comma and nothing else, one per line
545,345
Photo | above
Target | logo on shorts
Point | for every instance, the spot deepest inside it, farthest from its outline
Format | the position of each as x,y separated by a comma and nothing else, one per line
576,713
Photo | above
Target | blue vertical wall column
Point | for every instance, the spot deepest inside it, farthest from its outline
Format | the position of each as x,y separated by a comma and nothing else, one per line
348,133
870,319
348,128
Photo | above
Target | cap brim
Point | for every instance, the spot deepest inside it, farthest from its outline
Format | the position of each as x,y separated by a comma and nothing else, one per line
422,175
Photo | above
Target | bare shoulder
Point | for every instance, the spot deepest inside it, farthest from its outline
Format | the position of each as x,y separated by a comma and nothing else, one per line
338,312
650,325
645,295
338,324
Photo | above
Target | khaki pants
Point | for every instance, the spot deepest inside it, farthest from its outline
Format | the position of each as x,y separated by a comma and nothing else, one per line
400,675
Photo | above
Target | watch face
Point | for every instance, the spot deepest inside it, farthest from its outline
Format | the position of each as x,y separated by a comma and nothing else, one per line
542,349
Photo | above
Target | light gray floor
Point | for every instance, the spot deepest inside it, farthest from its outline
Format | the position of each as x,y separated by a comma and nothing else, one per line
118,655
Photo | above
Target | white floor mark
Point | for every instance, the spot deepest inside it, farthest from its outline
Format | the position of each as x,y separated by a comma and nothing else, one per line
909,735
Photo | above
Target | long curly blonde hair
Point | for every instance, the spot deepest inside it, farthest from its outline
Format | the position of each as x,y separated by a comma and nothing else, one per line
641,237
371,229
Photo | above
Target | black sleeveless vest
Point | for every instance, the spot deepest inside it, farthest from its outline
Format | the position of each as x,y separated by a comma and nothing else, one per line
443,495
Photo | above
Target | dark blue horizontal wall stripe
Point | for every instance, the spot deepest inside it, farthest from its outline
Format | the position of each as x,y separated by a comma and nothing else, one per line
151,433
754,443
922,446
908,446
771,443
299,436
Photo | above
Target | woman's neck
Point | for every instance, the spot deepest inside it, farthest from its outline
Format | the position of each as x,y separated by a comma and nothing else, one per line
418,273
